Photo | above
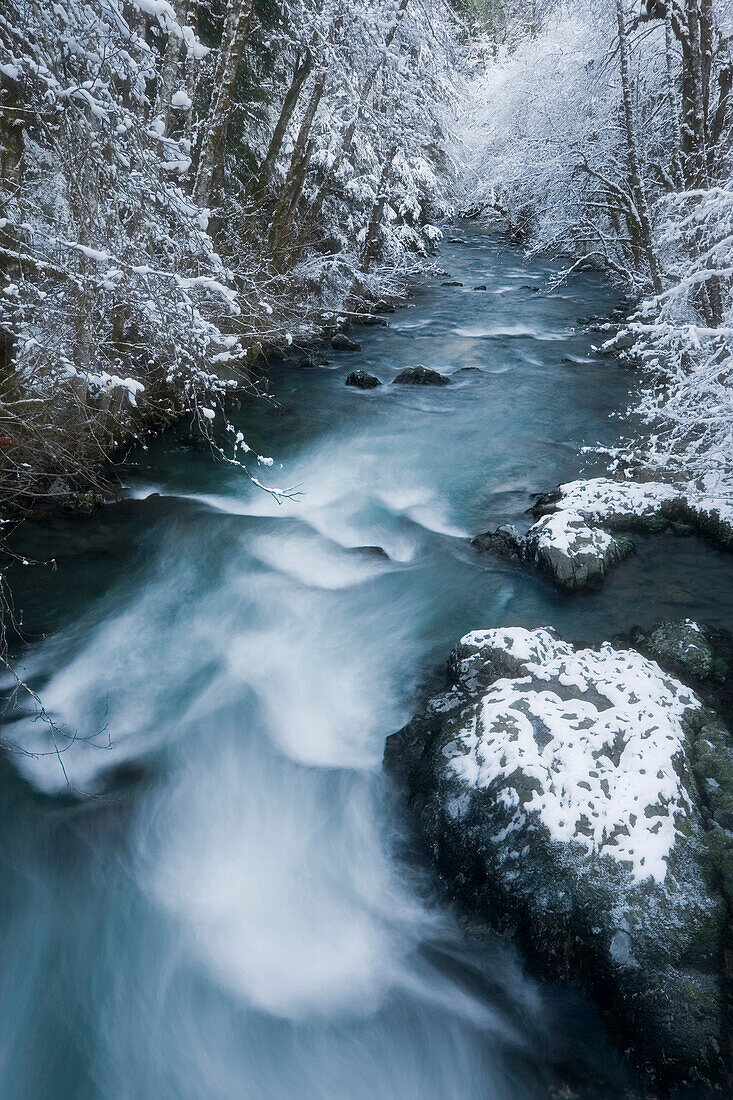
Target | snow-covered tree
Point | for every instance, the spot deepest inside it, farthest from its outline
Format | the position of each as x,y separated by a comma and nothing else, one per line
605,134
185,182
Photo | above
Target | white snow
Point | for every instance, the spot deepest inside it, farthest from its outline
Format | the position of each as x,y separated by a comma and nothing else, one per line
605,772
597,499
568,532
181,100
103,380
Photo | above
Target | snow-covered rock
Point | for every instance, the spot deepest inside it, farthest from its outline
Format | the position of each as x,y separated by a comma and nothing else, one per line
558,789
645,506
572,553
563,546
571,542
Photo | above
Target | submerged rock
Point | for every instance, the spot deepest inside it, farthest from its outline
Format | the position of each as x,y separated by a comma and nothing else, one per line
372,551
341,342
558,790
362,380
451,282
421,376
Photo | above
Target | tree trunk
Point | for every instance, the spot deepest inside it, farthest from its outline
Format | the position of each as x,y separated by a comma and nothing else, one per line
234,38
674,107
695,106
300,75
187,16
636,182
297,172
191,67
377,211
168,72
719,122
347,137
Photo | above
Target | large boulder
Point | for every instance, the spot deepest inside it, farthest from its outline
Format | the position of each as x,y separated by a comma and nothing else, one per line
575,538
559,791
646,506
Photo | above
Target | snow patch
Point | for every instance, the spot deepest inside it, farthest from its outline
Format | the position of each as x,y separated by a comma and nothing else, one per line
181,100
600,497
595,755
568,532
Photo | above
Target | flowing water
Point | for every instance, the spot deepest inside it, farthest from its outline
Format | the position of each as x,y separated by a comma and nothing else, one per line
208,892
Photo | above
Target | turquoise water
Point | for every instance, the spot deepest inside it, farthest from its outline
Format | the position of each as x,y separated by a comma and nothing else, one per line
207,887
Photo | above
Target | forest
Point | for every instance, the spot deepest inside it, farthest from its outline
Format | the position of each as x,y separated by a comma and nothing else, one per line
339,341
184,188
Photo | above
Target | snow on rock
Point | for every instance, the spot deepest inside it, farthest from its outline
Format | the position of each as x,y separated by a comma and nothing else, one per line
563,546
602,770
600,497
558,789
571,540
646,505
572,553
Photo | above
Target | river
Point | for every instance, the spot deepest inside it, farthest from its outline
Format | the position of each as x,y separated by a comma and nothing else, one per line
209,891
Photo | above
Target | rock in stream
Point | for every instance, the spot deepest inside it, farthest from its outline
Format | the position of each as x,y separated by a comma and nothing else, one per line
362,381
421,376
575,540
579,799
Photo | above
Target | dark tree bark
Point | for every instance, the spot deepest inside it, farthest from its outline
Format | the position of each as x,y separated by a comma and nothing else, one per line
636,183
287,205
377,211
347,138
300,75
